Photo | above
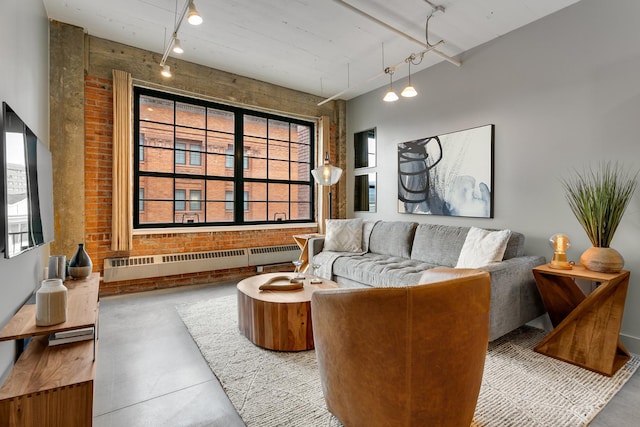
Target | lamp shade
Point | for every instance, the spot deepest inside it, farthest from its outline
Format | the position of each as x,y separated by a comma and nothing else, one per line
177,48
390,96
193,17
409,91
326,174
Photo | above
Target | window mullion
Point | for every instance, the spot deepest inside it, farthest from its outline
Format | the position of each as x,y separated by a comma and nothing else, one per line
238,169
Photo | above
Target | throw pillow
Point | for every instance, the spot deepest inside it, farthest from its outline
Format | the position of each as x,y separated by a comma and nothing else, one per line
482,247
343,235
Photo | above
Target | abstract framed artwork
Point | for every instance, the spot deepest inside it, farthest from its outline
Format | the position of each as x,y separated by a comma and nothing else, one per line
450,174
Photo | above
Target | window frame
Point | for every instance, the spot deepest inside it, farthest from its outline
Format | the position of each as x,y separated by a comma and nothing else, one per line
241,163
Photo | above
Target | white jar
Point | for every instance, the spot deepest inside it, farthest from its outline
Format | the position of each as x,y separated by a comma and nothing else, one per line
51,303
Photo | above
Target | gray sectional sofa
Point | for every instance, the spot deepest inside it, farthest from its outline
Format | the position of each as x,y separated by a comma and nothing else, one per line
396,253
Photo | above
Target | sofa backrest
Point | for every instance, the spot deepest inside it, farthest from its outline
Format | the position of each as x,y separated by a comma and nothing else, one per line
393,238
438,244
441,244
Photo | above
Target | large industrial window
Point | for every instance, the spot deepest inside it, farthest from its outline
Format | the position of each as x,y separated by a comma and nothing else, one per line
212,164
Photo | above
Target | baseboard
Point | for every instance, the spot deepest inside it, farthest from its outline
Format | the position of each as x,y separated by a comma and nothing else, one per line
631,343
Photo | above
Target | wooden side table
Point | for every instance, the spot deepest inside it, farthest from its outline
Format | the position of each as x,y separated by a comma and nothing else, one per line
586,328
303,241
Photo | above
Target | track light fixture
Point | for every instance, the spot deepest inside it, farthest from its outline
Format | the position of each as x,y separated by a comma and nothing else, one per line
390,96
174,45
409,91
177,48
193,17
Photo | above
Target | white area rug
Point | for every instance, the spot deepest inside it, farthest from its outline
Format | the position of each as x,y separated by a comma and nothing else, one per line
519,388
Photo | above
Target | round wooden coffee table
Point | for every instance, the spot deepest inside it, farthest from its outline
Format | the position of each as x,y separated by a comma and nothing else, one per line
277,320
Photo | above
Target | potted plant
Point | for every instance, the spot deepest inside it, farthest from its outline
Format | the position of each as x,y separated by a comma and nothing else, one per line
598,199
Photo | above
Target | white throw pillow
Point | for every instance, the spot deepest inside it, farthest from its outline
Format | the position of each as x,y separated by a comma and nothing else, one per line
482,247
343,235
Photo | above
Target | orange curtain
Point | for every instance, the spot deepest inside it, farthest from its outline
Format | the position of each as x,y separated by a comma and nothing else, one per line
122,203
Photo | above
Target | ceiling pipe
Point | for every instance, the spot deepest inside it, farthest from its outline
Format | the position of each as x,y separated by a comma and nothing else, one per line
402,33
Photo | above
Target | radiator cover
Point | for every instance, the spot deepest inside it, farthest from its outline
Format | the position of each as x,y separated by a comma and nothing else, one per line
141,267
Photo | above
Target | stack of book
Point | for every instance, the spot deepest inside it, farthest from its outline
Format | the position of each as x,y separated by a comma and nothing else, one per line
74,335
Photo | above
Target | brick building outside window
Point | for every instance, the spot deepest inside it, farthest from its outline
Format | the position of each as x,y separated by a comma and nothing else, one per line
201,163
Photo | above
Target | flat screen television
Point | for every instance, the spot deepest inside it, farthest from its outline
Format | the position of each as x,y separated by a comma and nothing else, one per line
27,180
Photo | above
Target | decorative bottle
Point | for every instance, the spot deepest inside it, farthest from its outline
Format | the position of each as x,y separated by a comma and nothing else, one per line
80,266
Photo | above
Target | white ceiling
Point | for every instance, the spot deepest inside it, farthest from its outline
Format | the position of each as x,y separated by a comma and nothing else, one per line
320,47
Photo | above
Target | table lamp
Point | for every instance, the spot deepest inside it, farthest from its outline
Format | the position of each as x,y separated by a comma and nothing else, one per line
560,243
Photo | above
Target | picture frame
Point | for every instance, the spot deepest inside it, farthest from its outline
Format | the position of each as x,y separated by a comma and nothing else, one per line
449,174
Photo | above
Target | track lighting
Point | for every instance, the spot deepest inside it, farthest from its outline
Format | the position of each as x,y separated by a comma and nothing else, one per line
176,45
193,17
166,71
391,95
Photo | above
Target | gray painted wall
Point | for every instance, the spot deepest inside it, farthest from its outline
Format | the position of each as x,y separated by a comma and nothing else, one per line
563,92
24,85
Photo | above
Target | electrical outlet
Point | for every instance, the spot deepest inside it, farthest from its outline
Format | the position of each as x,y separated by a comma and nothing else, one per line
259,269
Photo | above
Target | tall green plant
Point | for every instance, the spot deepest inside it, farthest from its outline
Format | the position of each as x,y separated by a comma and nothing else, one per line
598,199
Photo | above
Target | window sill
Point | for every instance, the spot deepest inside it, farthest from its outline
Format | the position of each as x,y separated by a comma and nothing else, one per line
225,228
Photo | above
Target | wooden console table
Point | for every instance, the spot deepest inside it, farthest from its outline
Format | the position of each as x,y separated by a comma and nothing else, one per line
586,328
53,386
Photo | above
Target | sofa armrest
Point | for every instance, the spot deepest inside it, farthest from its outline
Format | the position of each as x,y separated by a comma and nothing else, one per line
314,246
515,299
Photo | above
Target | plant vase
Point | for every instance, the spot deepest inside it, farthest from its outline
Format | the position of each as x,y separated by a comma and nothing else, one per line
603,260
80,266
598,198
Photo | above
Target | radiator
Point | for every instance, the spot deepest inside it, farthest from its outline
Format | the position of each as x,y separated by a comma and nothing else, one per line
141,267
273,254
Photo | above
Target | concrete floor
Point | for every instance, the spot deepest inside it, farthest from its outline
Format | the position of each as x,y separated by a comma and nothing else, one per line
151,373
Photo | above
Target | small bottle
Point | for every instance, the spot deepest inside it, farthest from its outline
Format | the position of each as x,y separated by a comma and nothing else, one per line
80,266
51,303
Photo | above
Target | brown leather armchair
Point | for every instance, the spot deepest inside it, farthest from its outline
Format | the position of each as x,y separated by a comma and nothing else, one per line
410,356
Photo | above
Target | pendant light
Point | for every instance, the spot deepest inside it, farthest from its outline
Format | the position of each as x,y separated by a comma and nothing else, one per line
409,91
327,175
166,71
390,95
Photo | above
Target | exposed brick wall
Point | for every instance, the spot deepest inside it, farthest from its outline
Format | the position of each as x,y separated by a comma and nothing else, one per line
98,168
98,184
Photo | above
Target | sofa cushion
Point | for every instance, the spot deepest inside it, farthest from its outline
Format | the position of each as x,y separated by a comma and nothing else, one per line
380,271
367,228
482,247
393,238
343,235
515,246
438,244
